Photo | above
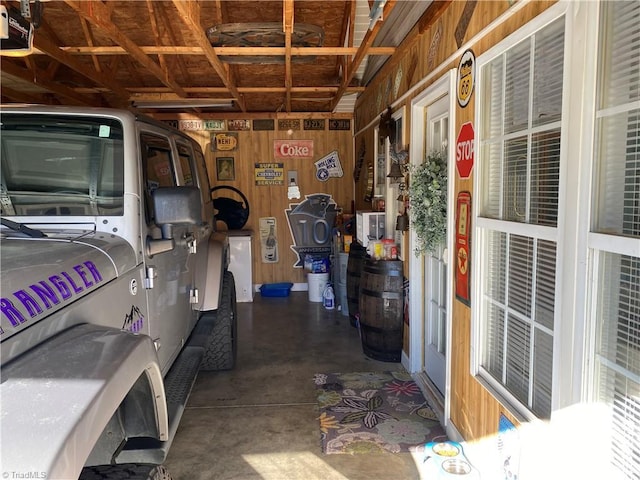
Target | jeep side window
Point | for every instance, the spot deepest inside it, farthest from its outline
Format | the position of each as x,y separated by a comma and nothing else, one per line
157,168
185,155
205,187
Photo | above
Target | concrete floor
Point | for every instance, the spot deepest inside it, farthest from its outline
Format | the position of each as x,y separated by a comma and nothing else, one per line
259,421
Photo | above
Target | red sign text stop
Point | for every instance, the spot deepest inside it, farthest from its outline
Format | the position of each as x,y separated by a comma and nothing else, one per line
465,150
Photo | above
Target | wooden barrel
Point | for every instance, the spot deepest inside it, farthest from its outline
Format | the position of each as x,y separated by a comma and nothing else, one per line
357,255
381,309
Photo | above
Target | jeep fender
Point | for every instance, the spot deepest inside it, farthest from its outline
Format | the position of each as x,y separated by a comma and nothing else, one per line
57,398
217,263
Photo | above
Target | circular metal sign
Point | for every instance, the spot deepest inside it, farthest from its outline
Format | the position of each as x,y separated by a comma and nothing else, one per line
466,77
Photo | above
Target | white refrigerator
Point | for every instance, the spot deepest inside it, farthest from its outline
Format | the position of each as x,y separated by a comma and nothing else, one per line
240,263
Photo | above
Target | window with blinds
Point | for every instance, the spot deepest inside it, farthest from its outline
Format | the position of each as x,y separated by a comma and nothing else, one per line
614,238
519,141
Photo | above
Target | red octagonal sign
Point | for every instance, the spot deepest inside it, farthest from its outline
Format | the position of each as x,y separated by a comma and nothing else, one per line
465,150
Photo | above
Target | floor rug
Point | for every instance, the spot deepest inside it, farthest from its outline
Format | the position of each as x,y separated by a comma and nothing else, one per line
374,412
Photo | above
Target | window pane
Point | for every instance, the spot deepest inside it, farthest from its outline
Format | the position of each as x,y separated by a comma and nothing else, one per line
518,65
495,283
518,358
491,180
58,165
619,53
618,181
545,283
542,373
515,180
545,178
520,274
493,86
618,355
547,74
493,359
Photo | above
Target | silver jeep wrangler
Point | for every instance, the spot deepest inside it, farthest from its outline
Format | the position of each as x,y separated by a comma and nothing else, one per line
115,291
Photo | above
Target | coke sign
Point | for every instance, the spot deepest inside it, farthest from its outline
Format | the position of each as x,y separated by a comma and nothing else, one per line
293,148
465,150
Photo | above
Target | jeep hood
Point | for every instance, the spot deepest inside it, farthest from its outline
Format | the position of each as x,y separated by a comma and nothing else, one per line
41,276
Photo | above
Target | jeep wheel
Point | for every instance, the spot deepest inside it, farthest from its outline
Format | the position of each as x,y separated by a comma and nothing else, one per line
125,471
221,346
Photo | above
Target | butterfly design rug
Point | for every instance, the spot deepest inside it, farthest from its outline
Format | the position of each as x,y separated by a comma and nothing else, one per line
374,412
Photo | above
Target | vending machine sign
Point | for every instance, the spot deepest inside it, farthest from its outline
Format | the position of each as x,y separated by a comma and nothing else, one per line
463,237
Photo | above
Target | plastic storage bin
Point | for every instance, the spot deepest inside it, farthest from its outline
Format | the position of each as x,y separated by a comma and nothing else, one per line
276,289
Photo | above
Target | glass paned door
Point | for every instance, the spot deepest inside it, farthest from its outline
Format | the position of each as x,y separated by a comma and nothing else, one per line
435,266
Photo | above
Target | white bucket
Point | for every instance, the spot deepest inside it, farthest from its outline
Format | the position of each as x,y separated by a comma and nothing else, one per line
317,284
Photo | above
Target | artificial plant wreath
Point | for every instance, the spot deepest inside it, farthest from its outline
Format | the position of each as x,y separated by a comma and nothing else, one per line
428,201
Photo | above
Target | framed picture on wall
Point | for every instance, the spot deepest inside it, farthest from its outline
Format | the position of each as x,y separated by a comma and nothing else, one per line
225,168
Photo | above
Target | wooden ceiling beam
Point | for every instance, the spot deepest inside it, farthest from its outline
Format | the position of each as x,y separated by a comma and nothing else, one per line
228,51
21,97
190,13
137,92
31,77
173,39
99,15
45,45
88,36
287,12
368,39
346,34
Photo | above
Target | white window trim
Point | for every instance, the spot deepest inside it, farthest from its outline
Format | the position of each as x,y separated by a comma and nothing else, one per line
568,382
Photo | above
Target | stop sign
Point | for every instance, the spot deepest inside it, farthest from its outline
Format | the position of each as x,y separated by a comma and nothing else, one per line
465,150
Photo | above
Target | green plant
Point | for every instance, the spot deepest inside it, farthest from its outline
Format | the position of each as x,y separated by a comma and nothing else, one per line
428,201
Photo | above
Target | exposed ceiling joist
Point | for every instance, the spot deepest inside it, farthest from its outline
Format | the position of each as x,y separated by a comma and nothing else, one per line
189,11
43,44
113,53
99,14
287,11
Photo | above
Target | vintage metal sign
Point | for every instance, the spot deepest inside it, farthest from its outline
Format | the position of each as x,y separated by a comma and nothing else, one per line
268,239
293,148
289,124
311,223
466,77
328,166
314,124
224,142
217,125
237,125
337,124
269,174
463,250
190,125
465,151
264,124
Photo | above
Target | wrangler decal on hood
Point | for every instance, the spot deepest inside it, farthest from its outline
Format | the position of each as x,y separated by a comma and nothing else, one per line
48,292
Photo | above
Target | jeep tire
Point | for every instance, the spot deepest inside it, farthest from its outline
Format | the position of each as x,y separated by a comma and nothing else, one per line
125,471
221,346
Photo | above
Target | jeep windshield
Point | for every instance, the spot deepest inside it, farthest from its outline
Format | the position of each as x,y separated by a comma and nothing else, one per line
57,165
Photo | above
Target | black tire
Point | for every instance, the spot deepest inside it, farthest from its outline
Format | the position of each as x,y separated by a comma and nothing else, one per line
222,345
125,471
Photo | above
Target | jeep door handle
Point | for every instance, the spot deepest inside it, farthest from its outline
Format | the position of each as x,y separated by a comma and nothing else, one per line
191,243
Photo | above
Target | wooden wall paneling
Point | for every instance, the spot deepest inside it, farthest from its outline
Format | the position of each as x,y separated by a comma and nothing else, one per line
272,201
474,410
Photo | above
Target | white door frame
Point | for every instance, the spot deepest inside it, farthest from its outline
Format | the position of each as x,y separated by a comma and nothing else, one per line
443,86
